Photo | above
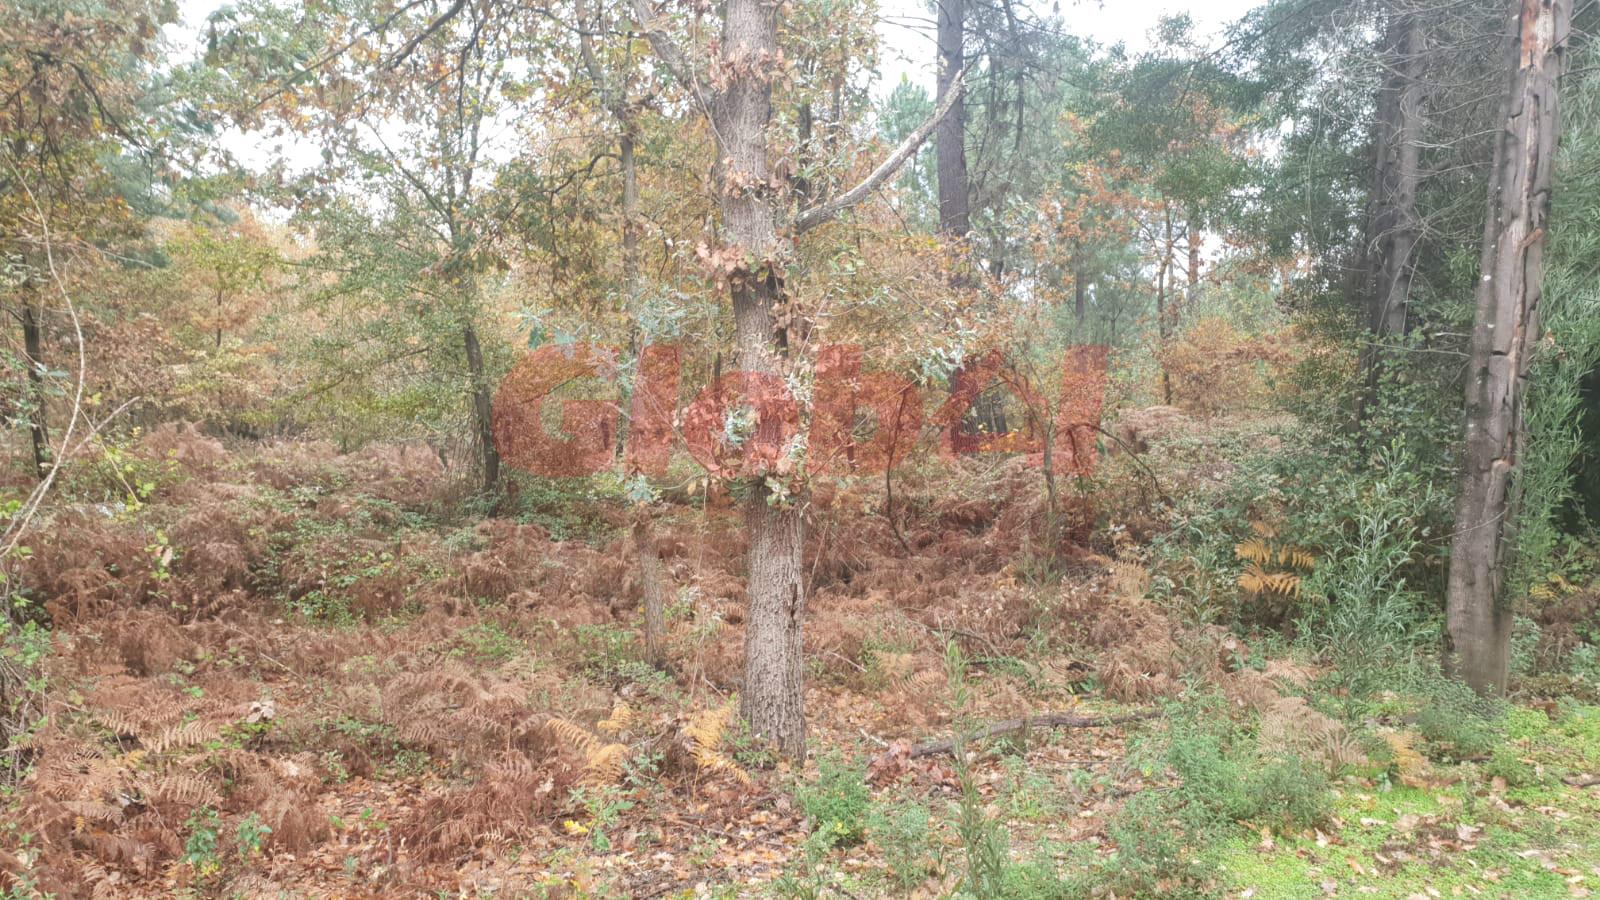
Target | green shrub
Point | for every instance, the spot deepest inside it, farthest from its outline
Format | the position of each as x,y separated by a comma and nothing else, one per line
1165,839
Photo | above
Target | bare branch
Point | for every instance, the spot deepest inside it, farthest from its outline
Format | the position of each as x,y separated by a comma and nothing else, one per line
822,212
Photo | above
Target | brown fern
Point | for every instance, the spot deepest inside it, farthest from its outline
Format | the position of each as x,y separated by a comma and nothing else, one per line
604,765
704,732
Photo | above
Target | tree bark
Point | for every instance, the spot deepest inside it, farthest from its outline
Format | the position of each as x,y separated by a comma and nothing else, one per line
1506,331
950,151
1080,290
33,347
650,571
650,583
482,406
1163,317
1191,287
773,700
1394,225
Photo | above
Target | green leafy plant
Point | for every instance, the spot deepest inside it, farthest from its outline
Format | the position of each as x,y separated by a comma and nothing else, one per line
250,836
200,848
837,802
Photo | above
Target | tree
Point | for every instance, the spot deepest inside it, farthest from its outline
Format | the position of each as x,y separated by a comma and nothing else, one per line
71,82
950,141
1506,332
758,245
406,102
1394,225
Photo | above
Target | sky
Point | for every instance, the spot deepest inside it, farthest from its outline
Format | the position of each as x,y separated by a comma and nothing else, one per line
907,49
906,29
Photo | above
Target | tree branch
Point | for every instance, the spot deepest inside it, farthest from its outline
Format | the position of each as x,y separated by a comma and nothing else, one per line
670,54
432,28
1047,720
822,212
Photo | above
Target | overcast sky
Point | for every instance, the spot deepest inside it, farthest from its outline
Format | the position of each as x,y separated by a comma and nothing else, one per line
906,28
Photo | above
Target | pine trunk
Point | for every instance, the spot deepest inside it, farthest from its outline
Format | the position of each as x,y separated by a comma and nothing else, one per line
1506,331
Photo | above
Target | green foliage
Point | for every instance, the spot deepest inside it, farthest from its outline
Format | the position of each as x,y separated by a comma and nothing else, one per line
984,839
1458,725
200,848
1166,840
605,806
837,802
904,833
486,642
612,653
569,508
1563,428
250,837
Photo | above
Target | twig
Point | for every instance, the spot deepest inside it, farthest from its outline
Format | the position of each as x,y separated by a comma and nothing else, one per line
873,739
944,631
1135,457
1048,720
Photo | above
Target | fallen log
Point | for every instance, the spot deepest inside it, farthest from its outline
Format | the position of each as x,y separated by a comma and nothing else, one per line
1047,720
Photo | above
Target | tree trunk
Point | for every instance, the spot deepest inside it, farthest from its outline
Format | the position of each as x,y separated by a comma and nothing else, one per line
1191,288
482,406
1080,292
1506,331
33,347
1404,176
650,578
773,700
650,572
950,151
1394,225
1163,319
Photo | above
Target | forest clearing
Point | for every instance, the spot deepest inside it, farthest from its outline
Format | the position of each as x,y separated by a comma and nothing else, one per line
830,448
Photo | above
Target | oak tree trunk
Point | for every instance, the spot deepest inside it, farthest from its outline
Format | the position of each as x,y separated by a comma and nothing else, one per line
650,582
773,700
1191,287
651,577
1163,313
1080,288
1506,331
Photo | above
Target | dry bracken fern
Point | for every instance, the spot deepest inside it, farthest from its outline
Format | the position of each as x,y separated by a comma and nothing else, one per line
622,716
572,736
604,766
189,734
705,732
1254,550
1410,765
1296,557
1256,580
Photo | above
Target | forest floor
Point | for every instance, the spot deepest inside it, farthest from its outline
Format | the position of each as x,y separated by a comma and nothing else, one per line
283,672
